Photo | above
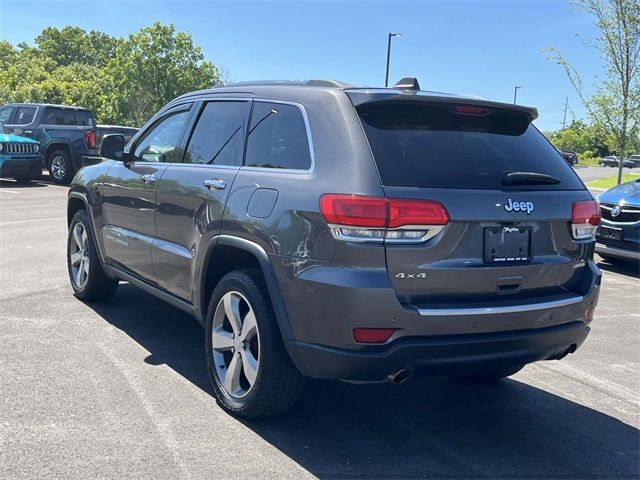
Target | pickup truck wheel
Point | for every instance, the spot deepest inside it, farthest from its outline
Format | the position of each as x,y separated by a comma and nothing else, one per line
60,167
87,277
251,372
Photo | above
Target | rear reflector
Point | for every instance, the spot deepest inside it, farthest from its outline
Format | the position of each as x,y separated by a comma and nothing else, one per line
585,218
372,335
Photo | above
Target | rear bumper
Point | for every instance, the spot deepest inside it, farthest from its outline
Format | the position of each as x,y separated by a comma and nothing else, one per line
323,308
442,355
21,167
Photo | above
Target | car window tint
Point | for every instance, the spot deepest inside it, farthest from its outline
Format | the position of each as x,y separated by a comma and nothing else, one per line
24,115
434,146
67,116
217,138
278,138
5,113
161,142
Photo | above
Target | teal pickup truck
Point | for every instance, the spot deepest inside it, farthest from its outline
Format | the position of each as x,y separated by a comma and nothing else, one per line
20,158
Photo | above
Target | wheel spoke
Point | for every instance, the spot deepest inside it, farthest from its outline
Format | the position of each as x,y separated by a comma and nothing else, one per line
77,235
221,340
249,327
85,243
86,267
231,380
79,273
76,257
249,366
232,309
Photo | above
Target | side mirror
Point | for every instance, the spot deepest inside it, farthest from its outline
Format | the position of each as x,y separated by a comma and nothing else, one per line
112,146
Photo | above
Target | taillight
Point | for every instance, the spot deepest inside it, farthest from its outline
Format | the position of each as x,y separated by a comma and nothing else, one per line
90,139
360,218
585,218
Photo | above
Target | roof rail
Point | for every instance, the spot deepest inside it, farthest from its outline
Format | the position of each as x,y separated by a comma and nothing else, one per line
307,83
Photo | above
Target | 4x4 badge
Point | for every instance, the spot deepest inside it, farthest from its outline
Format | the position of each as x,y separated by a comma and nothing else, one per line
511,206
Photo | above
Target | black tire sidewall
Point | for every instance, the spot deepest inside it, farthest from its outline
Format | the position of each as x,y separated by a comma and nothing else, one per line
257,401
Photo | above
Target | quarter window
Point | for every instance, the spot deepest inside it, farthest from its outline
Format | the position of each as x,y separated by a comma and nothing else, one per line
161,143
278,138
217,138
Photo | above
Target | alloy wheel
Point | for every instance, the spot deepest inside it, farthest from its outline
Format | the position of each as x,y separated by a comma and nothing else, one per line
236,344
79,255
58,167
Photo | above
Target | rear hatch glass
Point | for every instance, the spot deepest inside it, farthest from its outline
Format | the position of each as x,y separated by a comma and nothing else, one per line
434,145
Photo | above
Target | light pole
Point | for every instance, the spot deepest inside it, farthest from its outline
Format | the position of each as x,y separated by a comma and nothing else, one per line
515,93
386,77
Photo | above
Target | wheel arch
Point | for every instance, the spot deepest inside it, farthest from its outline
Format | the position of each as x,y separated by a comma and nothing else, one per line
53,147
225,253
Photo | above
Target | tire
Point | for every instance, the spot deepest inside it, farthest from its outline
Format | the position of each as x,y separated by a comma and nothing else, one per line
92,285
276,383
60,167
495,376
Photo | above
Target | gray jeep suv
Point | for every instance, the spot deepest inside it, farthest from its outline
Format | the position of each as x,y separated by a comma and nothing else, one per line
322,230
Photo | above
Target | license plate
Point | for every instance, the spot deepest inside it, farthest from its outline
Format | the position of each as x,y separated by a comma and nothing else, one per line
507,244
610,233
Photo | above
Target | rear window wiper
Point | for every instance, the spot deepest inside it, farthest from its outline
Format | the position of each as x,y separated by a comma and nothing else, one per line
529,178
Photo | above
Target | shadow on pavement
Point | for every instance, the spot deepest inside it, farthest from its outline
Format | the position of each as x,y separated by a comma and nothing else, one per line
631,269
426,428
14,184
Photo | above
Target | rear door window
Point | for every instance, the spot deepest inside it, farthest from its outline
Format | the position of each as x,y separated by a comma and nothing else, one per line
218,136
67,116
24,115
278,137
434,146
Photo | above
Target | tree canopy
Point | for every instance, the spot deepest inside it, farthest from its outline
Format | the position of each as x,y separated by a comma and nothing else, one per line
123,80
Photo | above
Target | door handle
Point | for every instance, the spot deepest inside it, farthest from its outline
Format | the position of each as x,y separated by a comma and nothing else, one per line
216,183
148,178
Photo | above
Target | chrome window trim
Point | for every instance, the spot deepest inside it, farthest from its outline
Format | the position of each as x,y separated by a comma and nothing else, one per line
305,117
449,312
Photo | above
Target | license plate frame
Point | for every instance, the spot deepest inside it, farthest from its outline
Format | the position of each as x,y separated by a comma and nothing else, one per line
507,244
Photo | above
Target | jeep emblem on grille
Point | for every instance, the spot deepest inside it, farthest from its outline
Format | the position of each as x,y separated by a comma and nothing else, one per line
615,211
512,206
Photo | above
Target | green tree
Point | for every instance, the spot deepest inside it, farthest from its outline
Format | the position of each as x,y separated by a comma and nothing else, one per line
73,45
150,68
616,103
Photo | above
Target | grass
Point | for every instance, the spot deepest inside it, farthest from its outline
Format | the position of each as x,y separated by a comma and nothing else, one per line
612,181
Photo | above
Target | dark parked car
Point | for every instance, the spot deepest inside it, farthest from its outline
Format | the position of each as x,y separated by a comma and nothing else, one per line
618,236
635,159
613,161
65,133
570,157
20,158
317,229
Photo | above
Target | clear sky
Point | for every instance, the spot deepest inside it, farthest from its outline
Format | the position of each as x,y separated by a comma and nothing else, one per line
480,47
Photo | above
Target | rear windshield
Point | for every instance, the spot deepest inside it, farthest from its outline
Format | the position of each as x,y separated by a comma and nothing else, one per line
64,116
433,146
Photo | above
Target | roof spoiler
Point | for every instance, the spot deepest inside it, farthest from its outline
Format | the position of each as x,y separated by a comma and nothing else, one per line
363,96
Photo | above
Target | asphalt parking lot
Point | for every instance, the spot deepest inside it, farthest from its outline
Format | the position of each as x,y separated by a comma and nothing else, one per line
120,390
